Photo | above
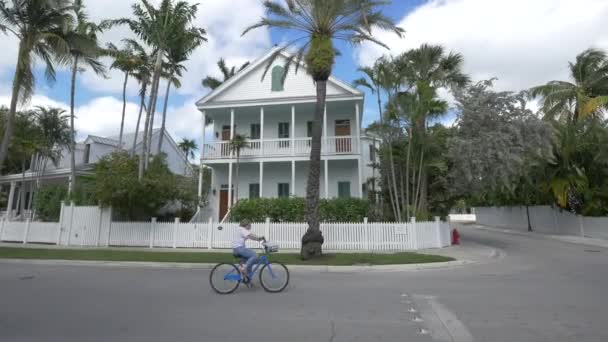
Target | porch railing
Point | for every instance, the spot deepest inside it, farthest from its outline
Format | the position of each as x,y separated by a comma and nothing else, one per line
282,147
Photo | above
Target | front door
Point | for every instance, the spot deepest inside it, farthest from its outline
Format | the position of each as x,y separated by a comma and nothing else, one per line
225,137
224,202
342,133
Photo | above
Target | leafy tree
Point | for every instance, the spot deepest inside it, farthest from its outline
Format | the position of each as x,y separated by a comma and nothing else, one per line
39,25
318,24
48,202
227,73
497,141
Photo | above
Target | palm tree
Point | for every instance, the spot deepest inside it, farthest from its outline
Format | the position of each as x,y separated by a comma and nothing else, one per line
319,23
188,146
237,143
212,82
157,27
55,137
39,25
179,50
423,71
84,50
585,95
143,75
126,60
379,77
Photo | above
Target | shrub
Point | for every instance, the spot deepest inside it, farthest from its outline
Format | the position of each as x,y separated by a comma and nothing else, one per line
47,201
294,210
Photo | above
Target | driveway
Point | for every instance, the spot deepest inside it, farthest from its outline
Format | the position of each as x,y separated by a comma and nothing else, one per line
541,290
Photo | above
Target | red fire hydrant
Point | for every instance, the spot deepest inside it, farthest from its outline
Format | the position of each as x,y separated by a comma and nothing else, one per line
455,237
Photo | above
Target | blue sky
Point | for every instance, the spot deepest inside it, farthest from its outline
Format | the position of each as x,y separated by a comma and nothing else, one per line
548,34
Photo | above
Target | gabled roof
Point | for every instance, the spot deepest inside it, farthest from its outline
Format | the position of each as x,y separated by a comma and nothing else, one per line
226,86
101,140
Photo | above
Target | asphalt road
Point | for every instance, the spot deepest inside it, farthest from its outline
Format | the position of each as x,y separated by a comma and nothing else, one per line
541,290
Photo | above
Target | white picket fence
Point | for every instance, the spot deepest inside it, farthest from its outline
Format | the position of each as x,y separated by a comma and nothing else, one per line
91,226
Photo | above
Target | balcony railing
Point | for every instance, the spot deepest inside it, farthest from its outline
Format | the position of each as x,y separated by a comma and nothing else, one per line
282,147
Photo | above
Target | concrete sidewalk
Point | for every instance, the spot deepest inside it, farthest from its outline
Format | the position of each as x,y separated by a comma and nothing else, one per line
564,238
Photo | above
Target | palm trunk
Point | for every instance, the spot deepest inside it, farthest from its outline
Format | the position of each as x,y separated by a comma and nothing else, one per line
416,207
10,119
124,107
312,240
141,108
394,181
143,162
162,126
72,130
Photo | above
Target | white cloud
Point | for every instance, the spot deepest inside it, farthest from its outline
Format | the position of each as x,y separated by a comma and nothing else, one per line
524,43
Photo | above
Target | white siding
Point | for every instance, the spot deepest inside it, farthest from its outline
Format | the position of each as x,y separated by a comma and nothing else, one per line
252,86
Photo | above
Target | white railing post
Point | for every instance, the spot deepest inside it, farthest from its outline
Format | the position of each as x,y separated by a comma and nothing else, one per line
581,225
366,233
71,222
438,231
414,233
27,230
2,227
210,234
175,224
267,228
152,232
109,227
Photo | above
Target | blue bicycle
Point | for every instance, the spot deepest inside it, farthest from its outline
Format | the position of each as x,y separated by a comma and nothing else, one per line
225,278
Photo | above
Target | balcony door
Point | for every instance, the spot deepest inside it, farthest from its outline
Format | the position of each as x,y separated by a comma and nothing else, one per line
342,133
284,134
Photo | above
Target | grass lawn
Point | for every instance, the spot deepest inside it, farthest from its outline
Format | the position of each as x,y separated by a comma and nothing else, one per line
341,259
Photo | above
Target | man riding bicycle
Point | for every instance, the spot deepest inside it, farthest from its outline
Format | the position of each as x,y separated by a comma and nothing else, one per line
239,248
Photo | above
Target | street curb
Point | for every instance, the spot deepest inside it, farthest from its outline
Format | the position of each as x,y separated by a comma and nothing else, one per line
205,266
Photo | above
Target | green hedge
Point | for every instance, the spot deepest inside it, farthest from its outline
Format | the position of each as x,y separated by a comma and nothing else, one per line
294,210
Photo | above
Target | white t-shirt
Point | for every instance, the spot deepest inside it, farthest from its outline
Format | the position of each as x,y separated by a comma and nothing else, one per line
240,236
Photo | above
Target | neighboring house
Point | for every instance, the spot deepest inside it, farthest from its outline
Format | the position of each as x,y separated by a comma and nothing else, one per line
277,119
89,152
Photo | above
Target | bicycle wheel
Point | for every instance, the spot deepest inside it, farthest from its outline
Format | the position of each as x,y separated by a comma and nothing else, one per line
224,278
274,277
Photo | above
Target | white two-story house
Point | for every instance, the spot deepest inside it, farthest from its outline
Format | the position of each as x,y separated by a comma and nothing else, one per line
277,119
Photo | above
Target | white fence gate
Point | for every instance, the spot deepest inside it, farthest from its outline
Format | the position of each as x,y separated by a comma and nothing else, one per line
92,226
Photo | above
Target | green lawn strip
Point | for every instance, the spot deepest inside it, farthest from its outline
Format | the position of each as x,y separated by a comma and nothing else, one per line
339,259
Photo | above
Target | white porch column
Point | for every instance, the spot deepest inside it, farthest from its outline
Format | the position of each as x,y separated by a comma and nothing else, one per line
200,175
229,186
231,135
293,129
360,150
326,178
11,197
324,142
261,179
261,136
293,178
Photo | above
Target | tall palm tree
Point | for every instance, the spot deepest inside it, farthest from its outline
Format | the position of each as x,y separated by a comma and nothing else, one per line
179,50
423,71
143,75
84,51
379,77
213,82
126,60
586,94
188,146
317,24
55,138
157,27
237,143
39,25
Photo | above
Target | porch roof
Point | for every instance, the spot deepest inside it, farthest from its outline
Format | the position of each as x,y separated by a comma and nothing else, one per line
50,174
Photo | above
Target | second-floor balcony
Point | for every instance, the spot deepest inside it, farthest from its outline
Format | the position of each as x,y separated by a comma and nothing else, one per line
282,147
